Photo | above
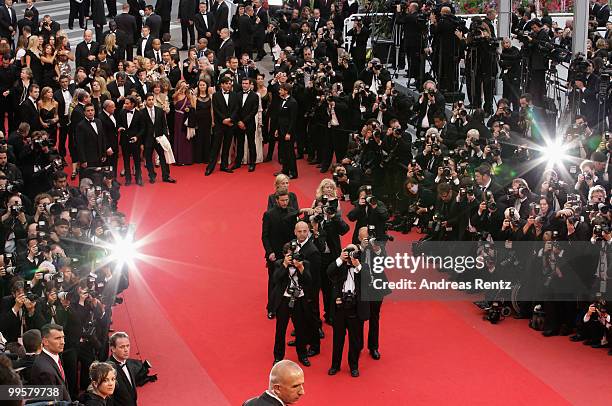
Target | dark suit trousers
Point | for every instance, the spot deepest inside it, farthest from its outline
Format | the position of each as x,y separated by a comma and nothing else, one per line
112,7
326,151
374,325
286,151
222,135
99,33
283,314
63,136
76,11
258,42
133,151
249,133
326,288
346,320
313,315
129,52
5,107
165,169
537,87
165,28
187,28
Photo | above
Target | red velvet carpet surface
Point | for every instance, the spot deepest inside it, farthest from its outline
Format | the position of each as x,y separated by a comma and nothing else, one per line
196,309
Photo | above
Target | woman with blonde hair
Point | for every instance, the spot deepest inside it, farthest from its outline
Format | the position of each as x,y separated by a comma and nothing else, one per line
48,113
113,51
21,49
32,56
281,182
99,94
326,195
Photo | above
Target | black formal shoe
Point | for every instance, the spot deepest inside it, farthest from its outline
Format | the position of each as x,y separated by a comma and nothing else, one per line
304,361
312,352
278,173
589,342
319,165
292,333
550,333
576,338
276,361
324,169
169,180
128,182
291,343
235,167
251,168
375,354
226,170
267,159
610,353
355,373
314,163
332,371
139,182
151,180
321,333
271,315
292,176
599,345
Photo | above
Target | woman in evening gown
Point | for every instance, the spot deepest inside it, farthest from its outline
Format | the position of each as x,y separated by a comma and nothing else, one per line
48,114
202,116
183,150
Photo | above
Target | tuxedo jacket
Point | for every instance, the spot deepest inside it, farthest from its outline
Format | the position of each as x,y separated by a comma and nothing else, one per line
113,89
77,115
135,129
287,116
263,400
248,110
154,22
155,128
110,131
223,110
226,50
221,15
7,21
260,28
28,113
187,9
201,27
125,393
45,371
148,45
82,52
126,23
91,145
338,275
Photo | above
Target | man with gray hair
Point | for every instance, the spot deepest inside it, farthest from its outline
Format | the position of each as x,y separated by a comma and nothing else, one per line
286,386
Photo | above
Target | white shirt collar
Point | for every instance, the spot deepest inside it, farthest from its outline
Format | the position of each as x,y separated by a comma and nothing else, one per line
269,392
55,357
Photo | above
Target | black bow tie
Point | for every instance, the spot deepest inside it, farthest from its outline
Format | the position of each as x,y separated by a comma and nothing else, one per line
246,92
226,92
91,121
130,111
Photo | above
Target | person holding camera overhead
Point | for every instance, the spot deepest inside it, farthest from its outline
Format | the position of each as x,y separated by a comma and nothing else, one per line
291,279
348,310
368,210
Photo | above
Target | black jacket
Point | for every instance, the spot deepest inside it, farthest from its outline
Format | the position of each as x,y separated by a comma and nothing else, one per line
136,129
277,229
154,129
91,145
125,393
338,275
45,371
262,400
126,23
248,111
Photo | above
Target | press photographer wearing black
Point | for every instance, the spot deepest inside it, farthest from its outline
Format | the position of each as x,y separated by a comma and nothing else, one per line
414,28
510,64
348,310
447,35
291,279
538,62
480,65
368,210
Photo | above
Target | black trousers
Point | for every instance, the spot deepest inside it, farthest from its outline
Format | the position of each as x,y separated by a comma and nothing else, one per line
537,87
222,135
165,28
76,363
111,6
271,143
99,30
511,92
374,325
297,316
76,11
129,52
187,28
249,133
270,267
131,151
63,136
326,288
313,315
165,169
286,151
346,320
258,42
414,63
326,146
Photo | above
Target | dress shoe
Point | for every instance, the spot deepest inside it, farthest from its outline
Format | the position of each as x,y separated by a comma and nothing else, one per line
169,180
292,333
208,172
324,169
128,182
599,345
312,352
576,338
226,170
292,176
235,167
267,159
278,173
291,343
271,315
550,333
321,333
355,373
304,361
151,180
332,371
276,361
375,354
589,342
139,182
314,163
251,168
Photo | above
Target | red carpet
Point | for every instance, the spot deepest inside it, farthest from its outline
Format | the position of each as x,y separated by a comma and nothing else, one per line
197,313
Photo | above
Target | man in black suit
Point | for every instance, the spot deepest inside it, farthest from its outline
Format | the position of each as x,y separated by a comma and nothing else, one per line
246,123
131,129
98,18
205,24
163,9
48,368
28,110
186,13
76,11
286,386
261,24
63,96
285,133
602,13
247,68
109,128
126,23
119,89
153,21
245,30
348,310
32,343
226,106
125,393
8,21
276,230
27,21
36,14
221,16
86,52
17,312
155,126
91,144
226,49
145,42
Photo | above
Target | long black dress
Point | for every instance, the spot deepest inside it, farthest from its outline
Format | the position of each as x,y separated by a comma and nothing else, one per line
35,66
47,116
203,119
49,76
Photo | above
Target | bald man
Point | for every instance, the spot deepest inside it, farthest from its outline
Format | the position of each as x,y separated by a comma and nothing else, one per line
286,386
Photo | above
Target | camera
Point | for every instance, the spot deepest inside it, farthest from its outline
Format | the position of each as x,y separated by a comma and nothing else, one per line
16,209
294,293
371,200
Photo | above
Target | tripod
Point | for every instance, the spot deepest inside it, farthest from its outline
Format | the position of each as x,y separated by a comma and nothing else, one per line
396,37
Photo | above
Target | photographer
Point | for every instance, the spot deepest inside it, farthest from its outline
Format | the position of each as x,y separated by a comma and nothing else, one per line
430,103
348,310
368,210
510,64
375,76
504,115
291,279
481,63
538,61
17,313
14,222
446,30
359,34
414,27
